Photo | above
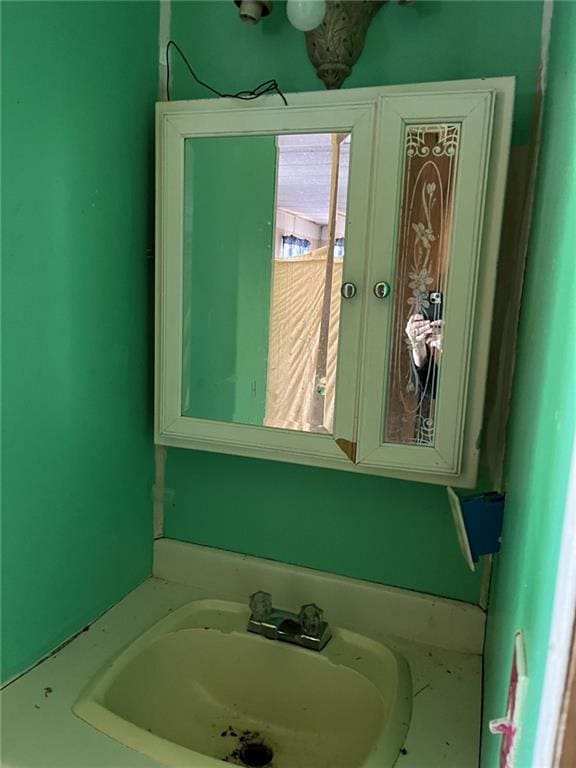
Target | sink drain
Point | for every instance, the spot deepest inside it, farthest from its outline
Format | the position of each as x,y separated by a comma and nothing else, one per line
256,755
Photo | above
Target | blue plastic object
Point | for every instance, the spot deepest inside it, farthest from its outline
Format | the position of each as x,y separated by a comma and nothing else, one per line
478,522
483,516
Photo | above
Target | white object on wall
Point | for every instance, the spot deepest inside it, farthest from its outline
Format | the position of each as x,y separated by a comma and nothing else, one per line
164,22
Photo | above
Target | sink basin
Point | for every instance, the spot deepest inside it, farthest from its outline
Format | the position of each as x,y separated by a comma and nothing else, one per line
197,691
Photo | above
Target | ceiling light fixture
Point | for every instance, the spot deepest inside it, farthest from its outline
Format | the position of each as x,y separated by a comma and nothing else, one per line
335,30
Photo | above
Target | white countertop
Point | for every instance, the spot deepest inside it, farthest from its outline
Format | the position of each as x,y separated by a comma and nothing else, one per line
39,729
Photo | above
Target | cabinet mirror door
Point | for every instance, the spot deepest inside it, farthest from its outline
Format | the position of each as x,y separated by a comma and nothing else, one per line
256,275
326,272
427,246
264,251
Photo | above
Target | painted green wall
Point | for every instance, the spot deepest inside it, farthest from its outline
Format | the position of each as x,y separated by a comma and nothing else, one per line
429,41
79,82
544,408
374,528
229,194
383,531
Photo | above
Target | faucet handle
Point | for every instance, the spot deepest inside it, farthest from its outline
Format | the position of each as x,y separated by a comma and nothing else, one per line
311,618
261,605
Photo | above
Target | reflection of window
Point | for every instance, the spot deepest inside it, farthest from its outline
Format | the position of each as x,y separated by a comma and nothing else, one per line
293,246
339,248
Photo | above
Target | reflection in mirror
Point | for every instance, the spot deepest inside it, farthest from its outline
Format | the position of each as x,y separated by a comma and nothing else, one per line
430,163
264,229
308,262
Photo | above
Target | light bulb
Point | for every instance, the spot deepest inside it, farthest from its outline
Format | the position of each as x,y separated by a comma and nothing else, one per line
306,15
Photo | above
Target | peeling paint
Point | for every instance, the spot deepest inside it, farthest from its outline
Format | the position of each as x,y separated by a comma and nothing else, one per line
349,448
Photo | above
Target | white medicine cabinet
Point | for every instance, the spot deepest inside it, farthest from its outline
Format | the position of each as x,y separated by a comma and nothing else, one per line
325,275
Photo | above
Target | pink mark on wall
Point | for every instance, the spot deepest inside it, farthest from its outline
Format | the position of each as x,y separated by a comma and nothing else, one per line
508,726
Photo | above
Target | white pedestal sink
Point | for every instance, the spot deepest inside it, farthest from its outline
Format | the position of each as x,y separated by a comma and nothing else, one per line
197,690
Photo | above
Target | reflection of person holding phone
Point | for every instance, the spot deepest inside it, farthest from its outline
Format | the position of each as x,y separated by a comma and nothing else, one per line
425,337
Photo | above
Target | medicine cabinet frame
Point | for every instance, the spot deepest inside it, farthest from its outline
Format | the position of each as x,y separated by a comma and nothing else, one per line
375,117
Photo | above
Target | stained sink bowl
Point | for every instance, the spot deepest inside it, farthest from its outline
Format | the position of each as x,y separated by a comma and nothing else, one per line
196,691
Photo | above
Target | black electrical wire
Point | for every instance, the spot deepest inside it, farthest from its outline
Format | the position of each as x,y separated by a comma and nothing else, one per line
269,86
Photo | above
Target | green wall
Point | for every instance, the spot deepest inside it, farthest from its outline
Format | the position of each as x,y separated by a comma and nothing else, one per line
228,240
429,41
79,82
544,408
379,529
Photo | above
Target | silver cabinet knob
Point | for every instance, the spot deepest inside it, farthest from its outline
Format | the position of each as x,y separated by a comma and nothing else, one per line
348,290
381,289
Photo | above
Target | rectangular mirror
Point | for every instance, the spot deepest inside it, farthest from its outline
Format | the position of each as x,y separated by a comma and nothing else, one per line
263,250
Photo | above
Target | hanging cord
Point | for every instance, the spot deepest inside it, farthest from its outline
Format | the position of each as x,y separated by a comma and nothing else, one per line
269,86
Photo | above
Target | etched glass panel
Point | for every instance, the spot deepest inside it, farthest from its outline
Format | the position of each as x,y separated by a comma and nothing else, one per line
430,164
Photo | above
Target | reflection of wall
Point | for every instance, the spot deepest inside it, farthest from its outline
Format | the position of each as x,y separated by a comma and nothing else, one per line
229,217
340,228
375,528
544,407
79,82
291,224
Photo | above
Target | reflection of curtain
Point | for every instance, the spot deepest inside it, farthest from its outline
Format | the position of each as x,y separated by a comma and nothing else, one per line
293,246
297,290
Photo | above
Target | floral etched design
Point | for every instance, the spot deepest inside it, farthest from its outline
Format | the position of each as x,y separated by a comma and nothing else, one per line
420,278
419,281
448,137
430,163
424,235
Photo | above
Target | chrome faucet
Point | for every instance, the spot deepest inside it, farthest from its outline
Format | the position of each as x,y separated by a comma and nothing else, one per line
306,628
